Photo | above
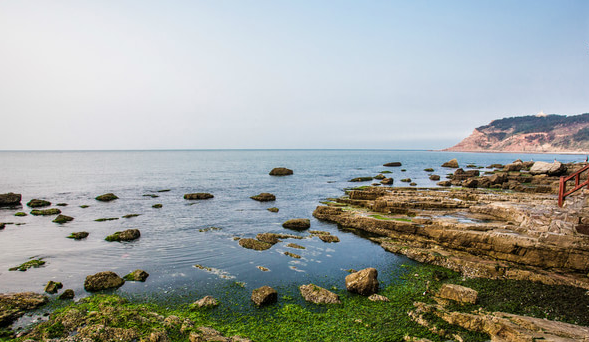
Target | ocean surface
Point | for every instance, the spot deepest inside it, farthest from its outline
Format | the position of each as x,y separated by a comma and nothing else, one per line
171,240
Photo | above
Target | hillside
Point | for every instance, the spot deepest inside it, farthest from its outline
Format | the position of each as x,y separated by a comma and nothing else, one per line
532,133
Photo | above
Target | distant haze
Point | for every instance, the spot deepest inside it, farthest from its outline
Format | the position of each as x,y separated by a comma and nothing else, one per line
282,74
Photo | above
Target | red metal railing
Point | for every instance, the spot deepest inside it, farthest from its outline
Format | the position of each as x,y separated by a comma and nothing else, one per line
562,190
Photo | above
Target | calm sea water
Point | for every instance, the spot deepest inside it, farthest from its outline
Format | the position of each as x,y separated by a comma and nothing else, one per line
171,242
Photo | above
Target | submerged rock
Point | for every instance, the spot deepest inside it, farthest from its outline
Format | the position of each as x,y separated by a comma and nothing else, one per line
67,294
63,219
14,305
53,286
264,197
137,275
281,171
361,179
451,164
393,164
20,213
318,295
198,196
254,244
458,293
294,245
61,204
205,302
264,295
434,177
10,199
107,197
45,212
292,255
273,210
126,235
37,203
78,235
363,282
157,206
297,224
270,238
102,281
328,238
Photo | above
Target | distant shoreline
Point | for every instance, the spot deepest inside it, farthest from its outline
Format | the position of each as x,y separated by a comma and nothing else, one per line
522,152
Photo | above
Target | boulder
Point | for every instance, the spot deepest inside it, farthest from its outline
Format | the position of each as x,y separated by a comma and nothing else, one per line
45,212
444,183
205,302
363,282
498,178
458,293
387,181
452,164
37,203
264,295
297,224
198,196
107,197
10,199
264,197
137,275
406,180
470,183
67,294
273,210
254,244
380,176
126,235
318,295
392,164
78,235
53,286
157,206
515,166
63,219
280,171
434,177
552,169
102,281
484,182
327,238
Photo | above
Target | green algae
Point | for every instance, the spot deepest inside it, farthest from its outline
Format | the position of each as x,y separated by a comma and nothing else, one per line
34,263
106,219
20,213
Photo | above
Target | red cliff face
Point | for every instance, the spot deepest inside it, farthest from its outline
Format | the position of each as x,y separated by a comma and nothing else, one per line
553,133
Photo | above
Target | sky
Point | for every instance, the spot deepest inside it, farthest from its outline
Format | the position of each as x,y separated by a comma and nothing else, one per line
87,75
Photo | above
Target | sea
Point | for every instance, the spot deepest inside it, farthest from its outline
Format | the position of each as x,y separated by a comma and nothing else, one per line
175,238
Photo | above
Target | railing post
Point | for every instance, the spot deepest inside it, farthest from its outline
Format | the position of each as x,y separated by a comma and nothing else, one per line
561,190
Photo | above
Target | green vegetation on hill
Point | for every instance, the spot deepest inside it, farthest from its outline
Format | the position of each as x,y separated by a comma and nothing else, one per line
532,123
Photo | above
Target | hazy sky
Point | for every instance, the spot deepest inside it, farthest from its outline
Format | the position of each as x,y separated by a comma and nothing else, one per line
282,74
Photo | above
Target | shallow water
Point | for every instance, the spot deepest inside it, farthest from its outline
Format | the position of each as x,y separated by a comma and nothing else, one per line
171,243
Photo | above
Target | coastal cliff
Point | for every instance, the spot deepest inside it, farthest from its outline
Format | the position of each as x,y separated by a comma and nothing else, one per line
532,133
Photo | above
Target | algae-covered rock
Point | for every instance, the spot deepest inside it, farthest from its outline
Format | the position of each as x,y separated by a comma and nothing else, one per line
387,181
38,203
328,238
126,235
264,197
434,177
137,275
61,204
107,197
205,302
198,196
273,210
53,286
102,281
281,171
264,295
406,180
67,294
78,235
318,295
131,215
45,212
20,213
294,245
34,263
254,244
451,164
104,219
14,305
297,224
157,206
363,282
292,255
429,169
63,219
10,199
392,164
